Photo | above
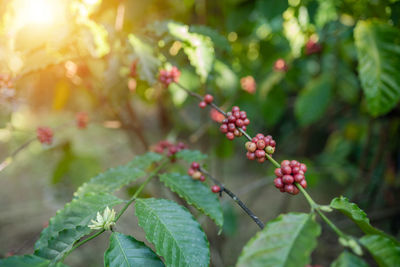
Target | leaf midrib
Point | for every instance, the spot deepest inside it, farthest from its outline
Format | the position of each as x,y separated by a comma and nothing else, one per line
294,239
167,230
123,251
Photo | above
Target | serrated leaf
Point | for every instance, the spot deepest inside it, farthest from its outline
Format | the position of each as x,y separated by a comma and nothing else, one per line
195,193
285,241
115,178
378,51
199,48
70,224
126,251
148,62
357,215
27,261
347,259
218,39
190,155
313,100
384,250
176,235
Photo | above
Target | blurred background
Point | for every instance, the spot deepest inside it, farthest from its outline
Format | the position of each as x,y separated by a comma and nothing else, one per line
291,65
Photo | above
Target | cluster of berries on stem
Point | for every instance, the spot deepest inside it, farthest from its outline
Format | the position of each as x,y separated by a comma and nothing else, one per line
195,172
234,121
288,174
45,135
259,146
208,99
169,148
166,77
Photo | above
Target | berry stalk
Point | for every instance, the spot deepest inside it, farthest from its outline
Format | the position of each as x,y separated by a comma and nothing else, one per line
235,198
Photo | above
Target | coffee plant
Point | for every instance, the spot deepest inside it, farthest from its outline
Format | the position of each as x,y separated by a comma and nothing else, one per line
187,73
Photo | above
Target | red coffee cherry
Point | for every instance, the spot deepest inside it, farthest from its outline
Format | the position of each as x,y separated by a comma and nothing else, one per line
202,104
45,135
312,47
215,189
208,98
195,165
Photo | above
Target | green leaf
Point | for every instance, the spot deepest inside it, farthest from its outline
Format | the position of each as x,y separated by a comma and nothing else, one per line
115,178
357,215
126,251
274,106
190,155
197,47
384,250
70,224
378,51
148,62
27,261
219,40
313,100
176,235
195,193
347,259
285,241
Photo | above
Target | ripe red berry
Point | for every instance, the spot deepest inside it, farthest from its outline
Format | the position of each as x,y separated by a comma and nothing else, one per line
289,188
288,179
202,104
286,169
246,122
250,155
191,172
260,153
278,172
261,144
166,77
298,178
278,182
202,178
195,165
235,108
261,160
285,163
231,127
303,183
208,98
230,136
215,189
303,167
239,123
223,128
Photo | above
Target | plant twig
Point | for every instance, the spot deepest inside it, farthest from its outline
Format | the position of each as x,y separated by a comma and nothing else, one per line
235,198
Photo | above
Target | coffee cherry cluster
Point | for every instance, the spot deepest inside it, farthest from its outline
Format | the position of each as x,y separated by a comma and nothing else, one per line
45,135
259,146
195,172
82,120
166,77
234,121
208,99
289,173
169,148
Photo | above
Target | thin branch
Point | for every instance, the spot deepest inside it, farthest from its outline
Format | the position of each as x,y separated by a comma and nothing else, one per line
235,198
